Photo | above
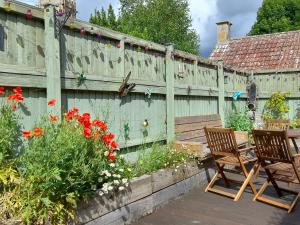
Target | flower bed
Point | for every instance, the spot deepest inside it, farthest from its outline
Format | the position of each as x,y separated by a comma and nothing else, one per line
144,194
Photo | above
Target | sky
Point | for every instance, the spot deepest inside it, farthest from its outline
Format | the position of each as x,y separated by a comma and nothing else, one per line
205,14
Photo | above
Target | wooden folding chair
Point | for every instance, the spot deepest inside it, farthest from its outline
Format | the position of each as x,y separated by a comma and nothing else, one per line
280,124
275,156
225,151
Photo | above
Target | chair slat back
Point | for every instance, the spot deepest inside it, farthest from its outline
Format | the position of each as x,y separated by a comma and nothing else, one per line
221,141
280,124
272,145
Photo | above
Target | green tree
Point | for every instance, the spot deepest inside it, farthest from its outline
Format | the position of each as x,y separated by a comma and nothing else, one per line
105,19
277,16
160,21
111,18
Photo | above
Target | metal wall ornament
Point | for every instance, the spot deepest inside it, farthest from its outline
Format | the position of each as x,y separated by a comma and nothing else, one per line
126,87
146,123
252,94
236,95
81,79
126,131
148,93
61,18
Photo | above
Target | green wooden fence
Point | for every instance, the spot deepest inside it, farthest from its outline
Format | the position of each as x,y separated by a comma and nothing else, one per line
180,84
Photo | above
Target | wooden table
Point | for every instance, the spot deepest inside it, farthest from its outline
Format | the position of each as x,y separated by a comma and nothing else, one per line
294,134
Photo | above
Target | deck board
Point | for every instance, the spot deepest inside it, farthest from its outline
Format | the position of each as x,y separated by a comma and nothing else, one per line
198,207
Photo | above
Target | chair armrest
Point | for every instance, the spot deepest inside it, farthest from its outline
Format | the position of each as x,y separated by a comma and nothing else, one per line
296,158
246,149
296,155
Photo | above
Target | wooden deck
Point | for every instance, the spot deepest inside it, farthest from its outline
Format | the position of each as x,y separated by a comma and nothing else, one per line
198,207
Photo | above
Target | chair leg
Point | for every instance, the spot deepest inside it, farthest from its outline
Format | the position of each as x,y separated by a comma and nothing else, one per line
212,182
275,185
247,182
257,171
261,190
294,202
220,169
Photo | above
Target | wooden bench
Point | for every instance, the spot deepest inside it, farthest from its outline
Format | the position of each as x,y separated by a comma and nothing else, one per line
190,136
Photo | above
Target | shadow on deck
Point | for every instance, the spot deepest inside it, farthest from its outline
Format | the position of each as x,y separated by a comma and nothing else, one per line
198,207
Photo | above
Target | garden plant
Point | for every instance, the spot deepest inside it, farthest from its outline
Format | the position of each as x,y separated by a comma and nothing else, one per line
45,172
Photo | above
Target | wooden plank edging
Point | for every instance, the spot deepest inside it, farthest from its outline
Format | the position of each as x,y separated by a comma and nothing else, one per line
141,199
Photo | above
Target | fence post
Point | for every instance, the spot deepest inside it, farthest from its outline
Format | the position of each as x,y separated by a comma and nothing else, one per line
221,96
170,94
52,58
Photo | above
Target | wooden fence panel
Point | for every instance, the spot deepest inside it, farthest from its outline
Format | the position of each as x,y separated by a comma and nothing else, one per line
24,41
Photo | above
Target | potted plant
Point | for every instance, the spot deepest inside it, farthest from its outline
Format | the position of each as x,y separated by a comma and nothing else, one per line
241,125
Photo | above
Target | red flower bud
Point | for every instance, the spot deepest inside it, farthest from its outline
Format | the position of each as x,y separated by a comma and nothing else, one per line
51,102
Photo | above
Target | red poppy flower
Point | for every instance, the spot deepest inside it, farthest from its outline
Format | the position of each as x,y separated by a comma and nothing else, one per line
111,157
87,132
27,134
75,110
73,113
52,102
2,90
16,97
86,116
38,132
114,145
107,138
53,118
17,90
100,124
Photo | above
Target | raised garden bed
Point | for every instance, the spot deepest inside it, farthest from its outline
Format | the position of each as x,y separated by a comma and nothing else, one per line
144,195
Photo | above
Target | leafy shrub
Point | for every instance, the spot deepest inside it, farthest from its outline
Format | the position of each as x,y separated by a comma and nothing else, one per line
239,121
159,157
276,106
63,163
10,127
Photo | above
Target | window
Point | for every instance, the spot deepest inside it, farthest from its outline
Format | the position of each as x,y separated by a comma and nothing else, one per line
1,37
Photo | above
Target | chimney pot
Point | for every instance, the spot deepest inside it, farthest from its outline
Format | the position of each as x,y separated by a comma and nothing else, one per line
223,31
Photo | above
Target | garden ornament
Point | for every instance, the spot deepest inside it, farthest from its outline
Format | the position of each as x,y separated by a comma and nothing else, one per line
236,95
145,123
148,92
125,87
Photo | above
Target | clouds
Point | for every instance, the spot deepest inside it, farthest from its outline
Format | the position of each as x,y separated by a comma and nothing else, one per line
205,14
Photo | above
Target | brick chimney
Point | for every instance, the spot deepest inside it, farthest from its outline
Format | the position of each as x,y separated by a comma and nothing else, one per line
223,31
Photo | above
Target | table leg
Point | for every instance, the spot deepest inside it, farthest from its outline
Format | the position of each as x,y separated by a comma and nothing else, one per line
295,145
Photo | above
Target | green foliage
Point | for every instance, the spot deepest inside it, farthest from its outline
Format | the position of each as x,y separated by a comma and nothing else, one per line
154,20
61,165
104,19
159,157
277,16
276,106
239,121
10,130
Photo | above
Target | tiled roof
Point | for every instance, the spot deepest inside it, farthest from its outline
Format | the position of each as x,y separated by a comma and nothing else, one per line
261,52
